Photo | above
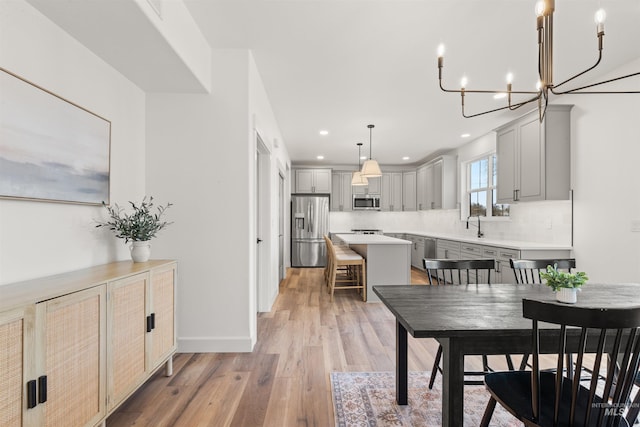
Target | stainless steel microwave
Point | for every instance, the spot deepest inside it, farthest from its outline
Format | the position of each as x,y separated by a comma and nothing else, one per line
366,202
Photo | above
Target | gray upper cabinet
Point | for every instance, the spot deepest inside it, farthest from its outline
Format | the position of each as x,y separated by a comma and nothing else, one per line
313,181
534,158
409,191
391,191
436,184
424,178
341,198
372,188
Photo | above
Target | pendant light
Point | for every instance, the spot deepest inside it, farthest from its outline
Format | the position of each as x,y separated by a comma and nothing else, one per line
370,168
357,178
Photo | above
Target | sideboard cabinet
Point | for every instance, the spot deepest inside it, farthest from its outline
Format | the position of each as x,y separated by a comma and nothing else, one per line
76,345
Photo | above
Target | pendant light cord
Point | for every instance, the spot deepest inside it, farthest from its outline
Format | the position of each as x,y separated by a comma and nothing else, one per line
370,138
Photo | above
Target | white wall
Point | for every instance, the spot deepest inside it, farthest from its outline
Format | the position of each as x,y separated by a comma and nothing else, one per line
38,238
265,124
200,156
606,182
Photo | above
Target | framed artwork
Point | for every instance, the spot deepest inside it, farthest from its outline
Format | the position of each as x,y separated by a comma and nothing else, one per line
50,149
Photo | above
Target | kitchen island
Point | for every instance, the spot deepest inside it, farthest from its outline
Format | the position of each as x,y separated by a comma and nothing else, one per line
388,259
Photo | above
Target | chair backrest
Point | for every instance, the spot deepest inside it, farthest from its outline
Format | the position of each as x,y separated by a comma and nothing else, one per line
610,331
458,271
528,270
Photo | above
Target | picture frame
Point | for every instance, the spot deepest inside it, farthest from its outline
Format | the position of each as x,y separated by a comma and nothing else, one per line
51,149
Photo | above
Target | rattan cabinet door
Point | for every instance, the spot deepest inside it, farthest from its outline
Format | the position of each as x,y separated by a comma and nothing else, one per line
73,339
126,330
162,296
16,366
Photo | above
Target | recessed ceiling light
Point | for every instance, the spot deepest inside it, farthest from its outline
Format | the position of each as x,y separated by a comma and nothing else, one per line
501,95
320,157
406,158
465,135
324,132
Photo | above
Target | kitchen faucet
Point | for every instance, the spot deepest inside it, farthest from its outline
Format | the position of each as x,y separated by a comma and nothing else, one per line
480,233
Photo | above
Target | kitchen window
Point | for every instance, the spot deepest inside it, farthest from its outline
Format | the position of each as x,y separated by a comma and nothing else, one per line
482,180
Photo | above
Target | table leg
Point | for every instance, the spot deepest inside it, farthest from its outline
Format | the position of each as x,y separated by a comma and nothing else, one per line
401,364
452,383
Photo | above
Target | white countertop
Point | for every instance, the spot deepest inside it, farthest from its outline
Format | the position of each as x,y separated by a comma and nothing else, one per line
509,244
370,239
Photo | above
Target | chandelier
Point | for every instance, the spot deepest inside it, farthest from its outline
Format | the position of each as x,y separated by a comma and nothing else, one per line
545,85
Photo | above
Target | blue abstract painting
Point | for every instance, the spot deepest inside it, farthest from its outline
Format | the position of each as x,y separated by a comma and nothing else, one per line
50,148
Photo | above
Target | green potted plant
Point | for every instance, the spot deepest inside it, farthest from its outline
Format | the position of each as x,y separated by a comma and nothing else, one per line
563,283
139,227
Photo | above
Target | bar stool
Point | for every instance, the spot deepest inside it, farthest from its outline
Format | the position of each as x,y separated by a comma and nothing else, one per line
351,267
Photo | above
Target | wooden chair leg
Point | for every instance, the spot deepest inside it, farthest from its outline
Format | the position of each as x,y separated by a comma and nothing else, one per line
488,412
436,367
509,362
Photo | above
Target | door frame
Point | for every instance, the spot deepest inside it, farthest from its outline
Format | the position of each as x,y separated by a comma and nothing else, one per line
264,252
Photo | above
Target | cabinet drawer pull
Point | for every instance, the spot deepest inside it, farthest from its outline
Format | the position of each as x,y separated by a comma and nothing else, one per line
153,320
42,389
490,252
149,328
31,394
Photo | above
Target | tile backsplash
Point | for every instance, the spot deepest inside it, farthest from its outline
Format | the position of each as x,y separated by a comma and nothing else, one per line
540,222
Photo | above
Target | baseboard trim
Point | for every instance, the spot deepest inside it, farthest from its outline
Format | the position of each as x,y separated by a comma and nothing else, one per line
215,345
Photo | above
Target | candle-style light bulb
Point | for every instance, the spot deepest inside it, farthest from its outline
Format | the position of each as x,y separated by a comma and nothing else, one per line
509,78
538,85
599,17
540,8
440,56
463,82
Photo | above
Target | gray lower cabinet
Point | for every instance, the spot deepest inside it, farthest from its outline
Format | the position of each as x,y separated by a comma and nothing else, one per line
503,273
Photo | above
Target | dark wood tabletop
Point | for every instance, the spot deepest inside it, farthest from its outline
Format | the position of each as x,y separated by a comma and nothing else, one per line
483,310
479,319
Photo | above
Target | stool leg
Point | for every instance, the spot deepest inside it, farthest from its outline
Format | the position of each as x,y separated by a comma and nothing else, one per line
333,281
363,266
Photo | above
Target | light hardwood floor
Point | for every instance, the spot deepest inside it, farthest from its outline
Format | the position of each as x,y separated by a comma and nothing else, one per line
285,380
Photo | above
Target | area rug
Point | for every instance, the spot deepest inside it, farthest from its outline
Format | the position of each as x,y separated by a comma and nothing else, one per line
368,399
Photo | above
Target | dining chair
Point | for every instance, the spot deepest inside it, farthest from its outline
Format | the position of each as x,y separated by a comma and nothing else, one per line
550,398
527,271
460,272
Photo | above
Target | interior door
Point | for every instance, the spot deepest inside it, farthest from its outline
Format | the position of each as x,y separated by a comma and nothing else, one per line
281,268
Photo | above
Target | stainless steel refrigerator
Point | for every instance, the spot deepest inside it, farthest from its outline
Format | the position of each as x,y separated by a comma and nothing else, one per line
309,223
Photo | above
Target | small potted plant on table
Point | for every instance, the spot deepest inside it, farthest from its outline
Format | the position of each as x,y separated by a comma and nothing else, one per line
563,283
138,227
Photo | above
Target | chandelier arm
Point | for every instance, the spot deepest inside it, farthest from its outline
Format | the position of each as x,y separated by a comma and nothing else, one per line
511,107
519,92
482,91
578,90
579,74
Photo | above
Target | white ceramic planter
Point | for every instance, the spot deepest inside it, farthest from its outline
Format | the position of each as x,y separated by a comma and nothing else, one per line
567,295
140,251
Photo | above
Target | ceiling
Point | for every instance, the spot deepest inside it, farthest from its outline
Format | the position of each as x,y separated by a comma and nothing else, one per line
340,65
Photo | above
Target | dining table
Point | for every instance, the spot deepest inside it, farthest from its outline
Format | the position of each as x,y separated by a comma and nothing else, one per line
479,319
